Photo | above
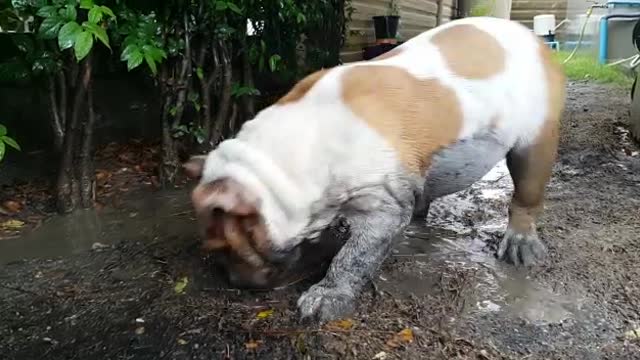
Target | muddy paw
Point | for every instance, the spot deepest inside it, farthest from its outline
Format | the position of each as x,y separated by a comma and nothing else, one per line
521,248
323,303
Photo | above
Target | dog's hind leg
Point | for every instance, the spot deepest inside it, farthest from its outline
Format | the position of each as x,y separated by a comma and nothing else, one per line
530,167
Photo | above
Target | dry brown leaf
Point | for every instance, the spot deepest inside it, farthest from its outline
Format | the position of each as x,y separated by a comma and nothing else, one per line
344,324
252,344
12,225
12,206
403,337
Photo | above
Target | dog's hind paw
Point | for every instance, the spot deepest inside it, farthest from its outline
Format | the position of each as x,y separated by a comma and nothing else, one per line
521,248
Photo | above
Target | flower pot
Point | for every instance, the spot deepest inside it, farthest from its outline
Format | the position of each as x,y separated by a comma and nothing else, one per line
386,28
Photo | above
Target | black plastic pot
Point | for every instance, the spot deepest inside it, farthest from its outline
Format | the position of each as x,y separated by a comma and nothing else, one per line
386,27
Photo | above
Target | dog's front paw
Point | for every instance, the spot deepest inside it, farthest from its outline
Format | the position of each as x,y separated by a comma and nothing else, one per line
522,248
325,303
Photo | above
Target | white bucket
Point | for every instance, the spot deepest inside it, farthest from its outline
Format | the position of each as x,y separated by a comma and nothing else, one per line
544,24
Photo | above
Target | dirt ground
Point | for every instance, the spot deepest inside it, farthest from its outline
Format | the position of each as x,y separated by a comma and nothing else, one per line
442,295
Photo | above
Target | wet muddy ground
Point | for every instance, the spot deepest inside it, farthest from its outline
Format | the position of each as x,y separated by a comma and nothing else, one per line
112,286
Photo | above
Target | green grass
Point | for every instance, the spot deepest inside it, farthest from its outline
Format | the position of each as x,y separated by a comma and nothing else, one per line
583,66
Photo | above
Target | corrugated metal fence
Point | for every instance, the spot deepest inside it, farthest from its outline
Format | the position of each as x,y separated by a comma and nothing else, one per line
415,17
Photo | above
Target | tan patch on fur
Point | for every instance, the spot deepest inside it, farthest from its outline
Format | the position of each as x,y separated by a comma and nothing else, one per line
417,117
495,122
236,225
531,167
470,52
389,54
302,87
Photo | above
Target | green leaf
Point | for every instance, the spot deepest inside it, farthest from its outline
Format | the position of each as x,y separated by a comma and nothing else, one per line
67,35
2,150
47,11
156,54
95,15
69,13
9,141
151,63
49,27
3,130
200,73
233,7
221,5
84,43
273,62
86,4
128,50
97,31
134,59
107,11
301,18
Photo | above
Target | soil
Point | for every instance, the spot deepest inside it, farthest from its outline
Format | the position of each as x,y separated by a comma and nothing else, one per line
441,295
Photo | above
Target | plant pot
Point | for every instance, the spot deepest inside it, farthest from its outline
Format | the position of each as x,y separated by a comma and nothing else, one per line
386,28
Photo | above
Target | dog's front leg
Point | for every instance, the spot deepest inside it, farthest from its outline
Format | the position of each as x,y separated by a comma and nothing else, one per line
372,234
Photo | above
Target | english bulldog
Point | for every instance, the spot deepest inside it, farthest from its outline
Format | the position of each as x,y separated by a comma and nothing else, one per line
373,143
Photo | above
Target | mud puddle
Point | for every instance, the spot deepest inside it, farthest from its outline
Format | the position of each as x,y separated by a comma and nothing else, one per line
145,217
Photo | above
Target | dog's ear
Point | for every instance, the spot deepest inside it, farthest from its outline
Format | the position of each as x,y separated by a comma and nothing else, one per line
194,166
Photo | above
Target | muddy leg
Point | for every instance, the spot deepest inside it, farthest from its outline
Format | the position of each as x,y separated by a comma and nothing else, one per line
421,210
530,169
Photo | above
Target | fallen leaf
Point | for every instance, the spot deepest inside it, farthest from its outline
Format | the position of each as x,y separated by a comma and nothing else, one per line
300,344
12,225
380,356
632,334
264,314
344,324
12,206
182,342
181,284
252,344
403,337
101,175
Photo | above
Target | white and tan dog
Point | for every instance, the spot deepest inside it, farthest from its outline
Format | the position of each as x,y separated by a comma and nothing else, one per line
373,143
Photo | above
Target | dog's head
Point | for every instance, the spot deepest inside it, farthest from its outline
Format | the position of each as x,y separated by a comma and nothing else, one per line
235,232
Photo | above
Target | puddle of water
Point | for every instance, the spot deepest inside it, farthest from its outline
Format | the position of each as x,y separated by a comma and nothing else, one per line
454,237
145,217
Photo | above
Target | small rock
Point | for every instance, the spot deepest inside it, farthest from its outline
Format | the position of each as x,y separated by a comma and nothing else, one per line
98,246
380,356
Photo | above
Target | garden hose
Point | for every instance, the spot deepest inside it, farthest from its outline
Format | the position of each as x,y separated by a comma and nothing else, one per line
584,27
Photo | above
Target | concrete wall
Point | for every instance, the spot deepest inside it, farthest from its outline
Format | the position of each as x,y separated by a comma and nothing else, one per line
416,17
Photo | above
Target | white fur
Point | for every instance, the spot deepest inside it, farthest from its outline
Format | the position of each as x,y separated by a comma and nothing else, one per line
290,155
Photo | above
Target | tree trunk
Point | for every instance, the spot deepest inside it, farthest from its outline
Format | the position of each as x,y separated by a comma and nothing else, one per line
247,78
68,194
57,126
225,96
86,171
170,163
